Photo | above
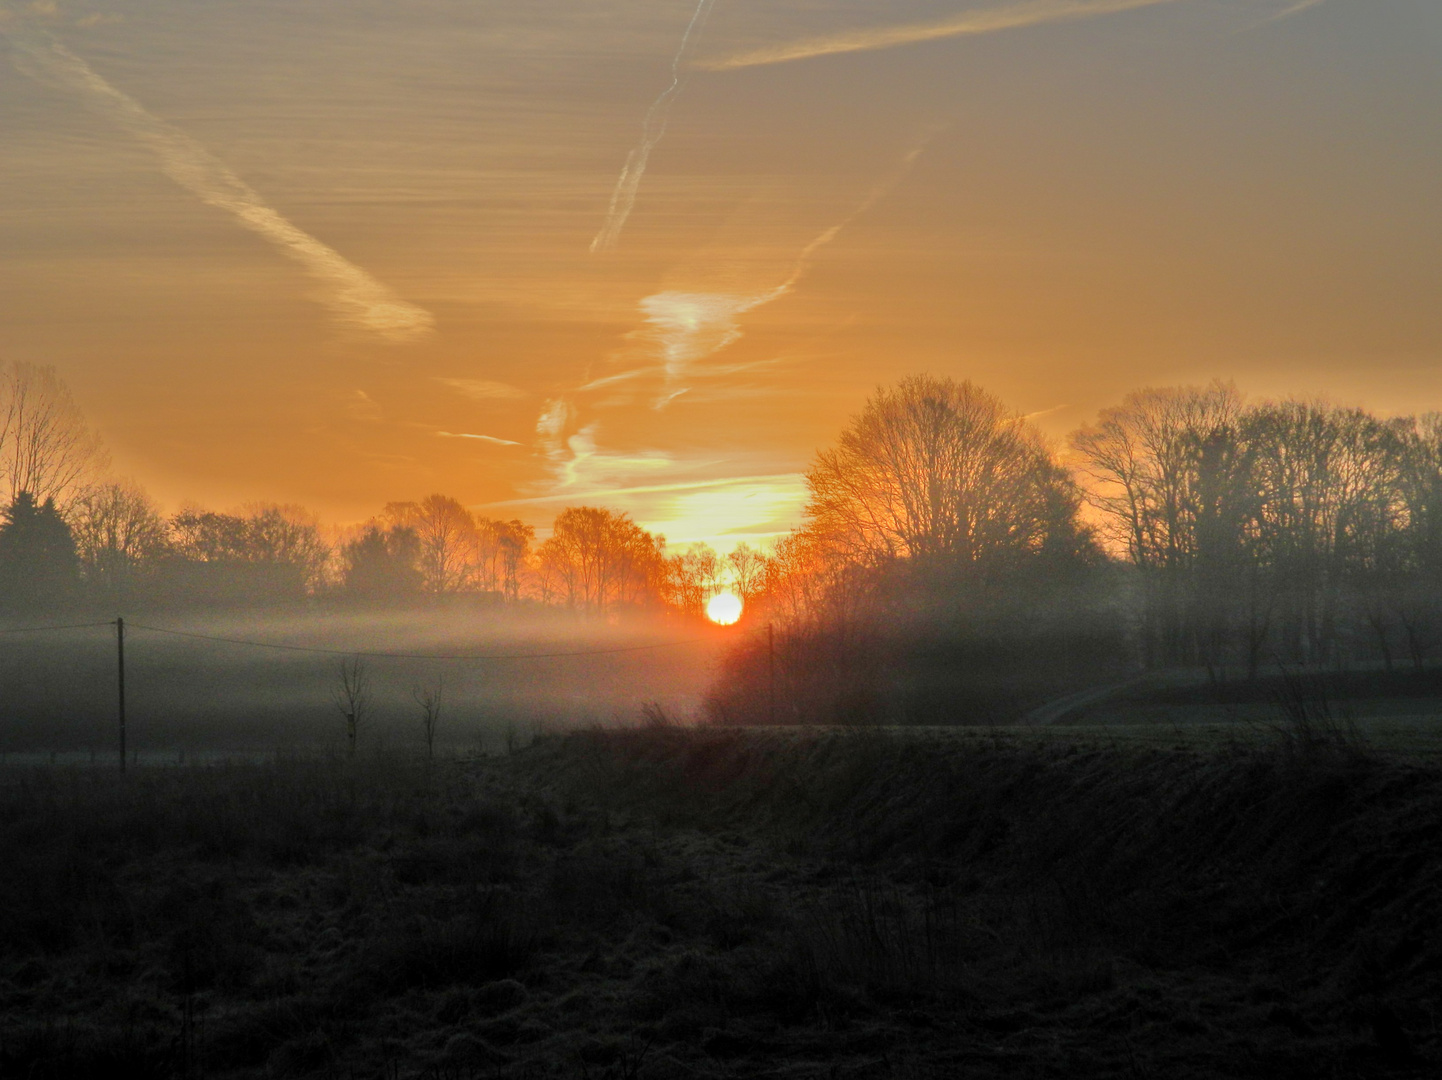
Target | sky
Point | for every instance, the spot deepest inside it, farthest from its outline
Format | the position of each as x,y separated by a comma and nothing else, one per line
653,255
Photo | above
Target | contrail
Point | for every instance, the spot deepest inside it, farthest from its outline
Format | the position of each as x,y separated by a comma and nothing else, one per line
803,261
692,326
481,438
985,21
355,297
1292,9
648,489
652,128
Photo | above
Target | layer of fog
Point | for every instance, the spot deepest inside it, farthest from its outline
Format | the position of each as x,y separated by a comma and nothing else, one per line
59,690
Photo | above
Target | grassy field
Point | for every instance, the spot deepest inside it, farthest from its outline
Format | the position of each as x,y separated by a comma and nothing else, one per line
665,902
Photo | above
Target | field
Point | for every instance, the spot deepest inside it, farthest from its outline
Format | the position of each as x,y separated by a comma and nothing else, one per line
665,902
214,693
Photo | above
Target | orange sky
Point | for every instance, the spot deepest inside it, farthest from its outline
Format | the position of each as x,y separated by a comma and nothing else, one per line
341,253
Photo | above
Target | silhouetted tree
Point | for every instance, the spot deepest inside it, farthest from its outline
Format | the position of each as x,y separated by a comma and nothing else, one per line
286,535
119,532
502,551
1161,466
207,536
597,561
693,577
447,534
352,697
1417,600
942,567
46,447
429,698
748,571
383,564
1293,528
268,552
940,475
38,564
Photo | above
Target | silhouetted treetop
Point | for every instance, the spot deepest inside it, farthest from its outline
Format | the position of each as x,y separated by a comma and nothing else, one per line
46,447
38,564
940,472
118,531
383,564
597,560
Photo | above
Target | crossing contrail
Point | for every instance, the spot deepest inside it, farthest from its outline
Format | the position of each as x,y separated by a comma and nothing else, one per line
652,128
984,21
354,296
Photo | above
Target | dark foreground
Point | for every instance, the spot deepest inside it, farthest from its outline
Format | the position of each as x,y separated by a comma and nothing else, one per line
666,903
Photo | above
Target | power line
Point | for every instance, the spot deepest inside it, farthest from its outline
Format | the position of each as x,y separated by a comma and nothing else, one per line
70,626
401,655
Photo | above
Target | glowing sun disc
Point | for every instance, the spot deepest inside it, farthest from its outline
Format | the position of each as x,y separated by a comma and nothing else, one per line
724,608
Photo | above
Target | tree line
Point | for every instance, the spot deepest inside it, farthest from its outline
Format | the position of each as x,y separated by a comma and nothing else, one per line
951,562
111,544
952,565
70,535
1296,529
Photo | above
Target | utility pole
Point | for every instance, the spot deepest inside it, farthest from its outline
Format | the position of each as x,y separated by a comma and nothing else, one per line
120,669
771,663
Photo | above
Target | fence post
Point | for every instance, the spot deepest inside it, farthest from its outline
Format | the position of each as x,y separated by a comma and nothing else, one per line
120,671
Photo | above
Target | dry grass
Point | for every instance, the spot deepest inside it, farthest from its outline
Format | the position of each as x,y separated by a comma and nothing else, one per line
666,902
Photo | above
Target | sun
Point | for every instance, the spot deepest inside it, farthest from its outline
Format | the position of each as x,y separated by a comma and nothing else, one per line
724,608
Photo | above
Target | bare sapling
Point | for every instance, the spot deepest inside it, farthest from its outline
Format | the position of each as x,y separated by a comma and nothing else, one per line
353,698
429,699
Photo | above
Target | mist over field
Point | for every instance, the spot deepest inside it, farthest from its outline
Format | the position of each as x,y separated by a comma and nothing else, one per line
184,693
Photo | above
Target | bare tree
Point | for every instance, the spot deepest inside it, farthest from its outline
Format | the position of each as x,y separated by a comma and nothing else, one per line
429,699
598,560
501,550
748,570
936,472
448,537
693,577
288,534
46,447
200,535
352,696
1166,470
1328,514
266,548
117,529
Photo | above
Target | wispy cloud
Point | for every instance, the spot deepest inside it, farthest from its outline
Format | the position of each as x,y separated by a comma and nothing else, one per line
356,298
483,389
680,329
650,489
754,508
985,21
688,327
478,438
361,406
611,380
551,427
1039,413
1292,9
586,468
652,129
